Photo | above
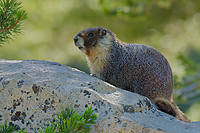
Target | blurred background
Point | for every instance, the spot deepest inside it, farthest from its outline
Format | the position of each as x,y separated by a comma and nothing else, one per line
170,26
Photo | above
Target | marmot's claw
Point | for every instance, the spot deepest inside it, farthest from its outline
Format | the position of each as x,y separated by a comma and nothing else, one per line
92,75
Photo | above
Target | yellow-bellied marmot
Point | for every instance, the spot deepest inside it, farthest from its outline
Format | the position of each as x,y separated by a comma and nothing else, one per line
134,67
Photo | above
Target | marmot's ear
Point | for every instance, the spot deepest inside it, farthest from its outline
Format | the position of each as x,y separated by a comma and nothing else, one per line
103,32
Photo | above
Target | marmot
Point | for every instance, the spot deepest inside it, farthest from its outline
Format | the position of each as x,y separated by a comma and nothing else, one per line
134,67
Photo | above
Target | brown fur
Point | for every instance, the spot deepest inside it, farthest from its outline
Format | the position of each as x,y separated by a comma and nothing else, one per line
134,67
171,108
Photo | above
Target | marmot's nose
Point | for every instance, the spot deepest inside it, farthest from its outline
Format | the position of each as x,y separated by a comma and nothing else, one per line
75,39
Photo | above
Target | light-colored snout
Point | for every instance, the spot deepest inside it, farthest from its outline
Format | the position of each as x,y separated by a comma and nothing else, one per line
79,42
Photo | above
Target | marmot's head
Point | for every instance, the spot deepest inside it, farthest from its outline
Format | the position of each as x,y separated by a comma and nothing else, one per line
94,39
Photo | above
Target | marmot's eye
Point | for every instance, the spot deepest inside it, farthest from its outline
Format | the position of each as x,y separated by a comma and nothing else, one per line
90,34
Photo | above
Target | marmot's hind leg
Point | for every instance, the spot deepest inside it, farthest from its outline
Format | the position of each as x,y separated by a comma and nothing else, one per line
170,108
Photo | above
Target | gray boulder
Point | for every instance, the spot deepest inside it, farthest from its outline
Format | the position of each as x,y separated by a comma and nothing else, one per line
32,91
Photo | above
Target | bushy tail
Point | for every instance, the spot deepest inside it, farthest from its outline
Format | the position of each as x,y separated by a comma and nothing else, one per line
170,108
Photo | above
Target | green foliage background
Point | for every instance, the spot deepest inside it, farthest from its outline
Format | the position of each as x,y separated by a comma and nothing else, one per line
172,27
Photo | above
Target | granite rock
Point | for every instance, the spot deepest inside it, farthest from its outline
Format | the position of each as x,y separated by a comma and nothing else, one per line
32,91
